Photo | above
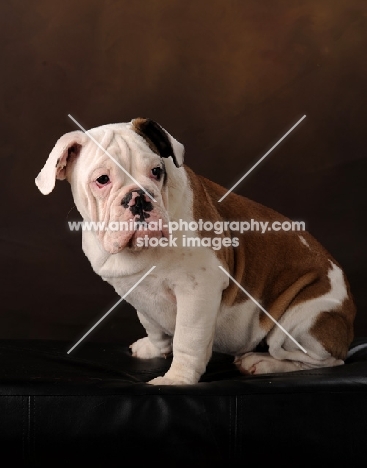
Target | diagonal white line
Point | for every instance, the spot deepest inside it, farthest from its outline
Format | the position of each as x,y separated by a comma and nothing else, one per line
262,308
261,159
110,156
113,307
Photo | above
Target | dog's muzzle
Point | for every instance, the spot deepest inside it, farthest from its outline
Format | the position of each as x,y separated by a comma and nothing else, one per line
139,204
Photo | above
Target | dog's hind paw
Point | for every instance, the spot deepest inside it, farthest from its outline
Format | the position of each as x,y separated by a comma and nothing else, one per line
263,363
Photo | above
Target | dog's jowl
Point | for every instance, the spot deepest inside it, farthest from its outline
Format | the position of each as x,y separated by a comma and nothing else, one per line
188,305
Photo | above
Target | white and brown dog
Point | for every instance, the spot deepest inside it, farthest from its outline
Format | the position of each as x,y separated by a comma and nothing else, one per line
188,305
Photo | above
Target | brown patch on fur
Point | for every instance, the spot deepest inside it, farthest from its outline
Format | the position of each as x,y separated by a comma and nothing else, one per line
334,329
266,265
284,299
276,268
204,208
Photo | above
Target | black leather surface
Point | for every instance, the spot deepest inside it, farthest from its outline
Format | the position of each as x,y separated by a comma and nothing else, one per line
93,408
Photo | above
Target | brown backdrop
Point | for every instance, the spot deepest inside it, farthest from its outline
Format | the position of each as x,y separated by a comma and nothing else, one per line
227,78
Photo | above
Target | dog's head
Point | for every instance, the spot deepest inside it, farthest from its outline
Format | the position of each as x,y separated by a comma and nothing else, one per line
119,174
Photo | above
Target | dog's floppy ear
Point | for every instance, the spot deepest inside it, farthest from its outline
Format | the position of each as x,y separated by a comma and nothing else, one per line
159,140
67,147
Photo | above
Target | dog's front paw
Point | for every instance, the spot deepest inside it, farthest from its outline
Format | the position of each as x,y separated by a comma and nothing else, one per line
144,349
165,381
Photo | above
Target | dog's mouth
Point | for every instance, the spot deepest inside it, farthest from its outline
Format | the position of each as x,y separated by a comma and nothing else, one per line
138,234
138,222
140,241
136,241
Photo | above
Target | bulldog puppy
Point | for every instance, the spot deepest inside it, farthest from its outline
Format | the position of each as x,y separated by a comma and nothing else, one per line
187,304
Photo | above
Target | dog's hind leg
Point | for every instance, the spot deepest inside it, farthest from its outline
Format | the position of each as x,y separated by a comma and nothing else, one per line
324,340
321,329
263,363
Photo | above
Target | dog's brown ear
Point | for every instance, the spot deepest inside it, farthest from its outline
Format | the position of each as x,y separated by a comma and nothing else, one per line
159,140
66,148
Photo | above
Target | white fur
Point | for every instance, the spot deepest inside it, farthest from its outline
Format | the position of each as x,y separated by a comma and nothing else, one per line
238,329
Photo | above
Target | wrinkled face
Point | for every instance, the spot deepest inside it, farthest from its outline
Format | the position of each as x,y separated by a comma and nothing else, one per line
125,194
118,176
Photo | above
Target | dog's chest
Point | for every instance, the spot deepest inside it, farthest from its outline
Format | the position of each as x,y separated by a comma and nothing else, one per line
152,298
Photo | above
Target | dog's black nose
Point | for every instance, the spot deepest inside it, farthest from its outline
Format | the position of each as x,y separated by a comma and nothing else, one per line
140,206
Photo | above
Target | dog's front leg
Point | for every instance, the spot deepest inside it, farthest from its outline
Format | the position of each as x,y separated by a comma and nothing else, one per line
197,311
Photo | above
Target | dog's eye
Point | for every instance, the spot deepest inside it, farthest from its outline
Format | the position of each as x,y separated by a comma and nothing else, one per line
102,180
157,172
